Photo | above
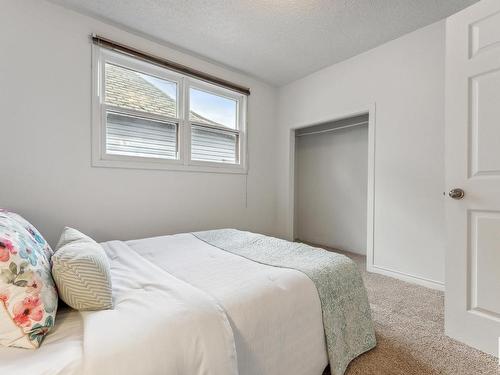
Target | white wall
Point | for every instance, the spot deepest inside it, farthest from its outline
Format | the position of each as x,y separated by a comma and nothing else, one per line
405,78
45,164
45,98
331,188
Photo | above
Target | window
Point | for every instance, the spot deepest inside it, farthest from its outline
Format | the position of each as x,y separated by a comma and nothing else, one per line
214,123
146,116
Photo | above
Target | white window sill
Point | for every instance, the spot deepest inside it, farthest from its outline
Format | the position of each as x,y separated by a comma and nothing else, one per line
171,165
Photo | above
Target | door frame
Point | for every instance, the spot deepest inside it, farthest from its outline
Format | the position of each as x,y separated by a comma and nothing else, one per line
369,109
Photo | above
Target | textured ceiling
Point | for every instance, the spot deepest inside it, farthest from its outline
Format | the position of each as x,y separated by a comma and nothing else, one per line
275,40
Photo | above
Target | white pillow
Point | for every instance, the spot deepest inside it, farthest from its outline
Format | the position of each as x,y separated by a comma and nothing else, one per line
71,235
81,271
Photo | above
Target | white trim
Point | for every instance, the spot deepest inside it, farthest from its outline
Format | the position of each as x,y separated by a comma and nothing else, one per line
370,202
292,214
140,114
166,164
333,129
96,128
241,120
185,138
129,62
214,89
422,281
183,163
370,222
340,116
219,129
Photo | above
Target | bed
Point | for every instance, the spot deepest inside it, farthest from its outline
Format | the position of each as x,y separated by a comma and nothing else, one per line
197,303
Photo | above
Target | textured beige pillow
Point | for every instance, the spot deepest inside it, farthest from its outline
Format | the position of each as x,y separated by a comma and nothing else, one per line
81,271
71,235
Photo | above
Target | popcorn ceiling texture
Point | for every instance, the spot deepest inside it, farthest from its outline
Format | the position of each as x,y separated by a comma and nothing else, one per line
277,41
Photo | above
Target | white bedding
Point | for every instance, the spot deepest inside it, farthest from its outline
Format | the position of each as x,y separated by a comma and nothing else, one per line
185,307
60,353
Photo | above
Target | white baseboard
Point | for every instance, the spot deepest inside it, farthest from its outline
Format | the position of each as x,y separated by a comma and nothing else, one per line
432,284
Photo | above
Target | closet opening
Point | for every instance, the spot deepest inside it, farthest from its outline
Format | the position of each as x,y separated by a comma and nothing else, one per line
333,184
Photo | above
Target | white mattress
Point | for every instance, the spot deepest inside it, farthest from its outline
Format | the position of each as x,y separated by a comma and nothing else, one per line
274,314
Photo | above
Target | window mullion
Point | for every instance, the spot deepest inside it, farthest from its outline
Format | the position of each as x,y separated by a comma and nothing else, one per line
215,129
185,143
141,114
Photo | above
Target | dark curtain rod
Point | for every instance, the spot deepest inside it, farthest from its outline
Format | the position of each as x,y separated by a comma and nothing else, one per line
106,43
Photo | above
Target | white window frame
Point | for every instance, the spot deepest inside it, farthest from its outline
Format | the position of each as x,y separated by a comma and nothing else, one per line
101,56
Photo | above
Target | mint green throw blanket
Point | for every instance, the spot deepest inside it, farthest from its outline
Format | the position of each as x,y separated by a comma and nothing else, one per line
347,318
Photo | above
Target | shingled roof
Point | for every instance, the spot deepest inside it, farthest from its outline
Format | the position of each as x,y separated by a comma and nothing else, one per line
128,89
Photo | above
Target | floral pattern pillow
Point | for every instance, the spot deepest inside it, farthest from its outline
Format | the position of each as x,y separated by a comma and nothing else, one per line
28,297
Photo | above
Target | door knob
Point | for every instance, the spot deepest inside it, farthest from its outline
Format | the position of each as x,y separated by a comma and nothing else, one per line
456,193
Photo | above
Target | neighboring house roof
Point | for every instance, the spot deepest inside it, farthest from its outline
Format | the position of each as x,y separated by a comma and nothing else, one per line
126,88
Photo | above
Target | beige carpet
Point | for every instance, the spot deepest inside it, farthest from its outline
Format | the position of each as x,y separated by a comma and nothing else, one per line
410,335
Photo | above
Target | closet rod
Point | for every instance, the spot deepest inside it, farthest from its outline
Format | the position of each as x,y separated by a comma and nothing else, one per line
330,130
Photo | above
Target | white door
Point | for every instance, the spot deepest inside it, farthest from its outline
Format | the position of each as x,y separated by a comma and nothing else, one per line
473,165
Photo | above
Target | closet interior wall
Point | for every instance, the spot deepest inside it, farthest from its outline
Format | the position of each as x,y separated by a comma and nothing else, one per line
331,177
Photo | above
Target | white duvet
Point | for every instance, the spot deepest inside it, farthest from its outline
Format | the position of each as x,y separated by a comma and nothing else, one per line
185,307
